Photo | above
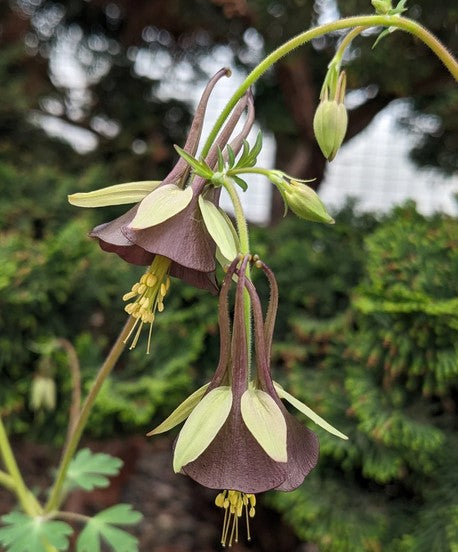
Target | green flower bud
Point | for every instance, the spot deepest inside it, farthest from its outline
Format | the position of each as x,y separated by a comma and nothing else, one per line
382,7
330,126
43,393
300,198
330,121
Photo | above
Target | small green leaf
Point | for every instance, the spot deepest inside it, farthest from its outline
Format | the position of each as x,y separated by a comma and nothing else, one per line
307,411
230,156
246,149
120,194
266,423
383,34
220,159
199,167
102,528
160,205
202,426
22,533
257,147
240,182
181,412
218,228
88,470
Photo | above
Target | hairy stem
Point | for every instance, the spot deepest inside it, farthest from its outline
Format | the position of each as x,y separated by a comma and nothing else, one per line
75,372
360,21
7,481
56,492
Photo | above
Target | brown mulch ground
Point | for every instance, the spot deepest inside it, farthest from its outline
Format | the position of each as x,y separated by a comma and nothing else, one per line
179,515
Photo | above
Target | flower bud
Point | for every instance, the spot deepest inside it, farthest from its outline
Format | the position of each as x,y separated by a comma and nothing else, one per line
382,7
300,198
43,393
330,126
330,121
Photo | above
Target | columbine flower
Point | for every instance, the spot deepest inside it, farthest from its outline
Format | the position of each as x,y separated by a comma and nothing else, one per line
238,436
175,228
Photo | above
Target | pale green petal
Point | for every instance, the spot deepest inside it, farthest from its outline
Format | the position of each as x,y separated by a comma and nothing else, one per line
266,423
160,205
120,194
218,229
181,412
307,411
202,426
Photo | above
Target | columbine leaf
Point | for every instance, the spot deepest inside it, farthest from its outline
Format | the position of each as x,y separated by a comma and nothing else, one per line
22,533
199,167
218,229
240,182
230,156
266,423
255,151
248,158
120,194
181,412
246,149
88,470
383,34
160,205
307,411
220,159
202,426
102,528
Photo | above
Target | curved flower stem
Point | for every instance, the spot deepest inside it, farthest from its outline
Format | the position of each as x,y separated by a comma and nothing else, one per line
25,497
345,43
118,347
7,481
75,372
360,21
242,230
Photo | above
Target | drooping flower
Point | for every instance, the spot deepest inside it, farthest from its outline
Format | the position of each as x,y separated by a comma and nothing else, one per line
238,436
175,227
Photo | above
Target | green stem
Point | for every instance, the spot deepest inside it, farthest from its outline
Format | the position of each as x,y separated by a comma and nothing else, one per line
69,516
345,43
25,497
242,230
360,21
7,481
70,449
250,170
242,225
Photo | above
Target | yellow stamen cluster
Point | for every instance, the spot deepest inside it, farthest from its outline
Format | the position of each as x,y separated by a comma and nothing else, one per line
149,295
234,503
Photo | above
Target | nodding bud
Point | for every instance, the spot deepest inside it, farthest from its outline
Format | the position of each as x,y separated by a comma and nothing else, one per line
330,121
300,198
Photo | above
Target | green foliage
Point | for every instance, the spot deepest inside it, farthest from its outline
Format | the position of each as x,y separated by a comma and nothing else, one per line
22,533
88,470
103,528
384,371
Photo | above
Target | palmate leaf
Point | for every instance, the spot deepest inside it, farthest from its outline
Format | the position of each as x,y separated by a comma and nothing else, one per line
102,528
23,533
88,470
